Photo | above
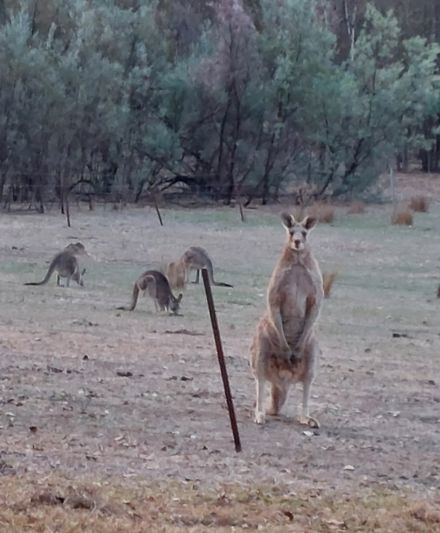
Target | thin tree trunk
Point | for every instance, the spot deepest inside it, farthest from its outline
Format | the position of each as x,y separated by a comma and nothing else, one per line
231,180
66,203
222,140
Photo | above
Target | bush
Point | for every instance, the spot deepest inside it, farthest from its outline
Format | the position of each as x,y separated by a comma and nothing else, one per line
356,208
323,212
328,279
419,203
402,217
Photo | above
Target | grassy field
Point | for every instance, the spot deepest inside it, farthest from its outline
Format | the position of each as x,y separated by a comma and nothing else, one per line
84,447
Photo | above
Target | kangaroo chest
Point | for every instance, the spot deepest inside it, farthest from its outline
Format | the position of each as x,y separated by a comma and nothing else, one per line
298,289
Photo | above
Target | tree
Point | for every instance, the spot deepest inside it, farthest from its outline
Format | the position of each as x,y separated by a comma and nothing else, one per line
233,98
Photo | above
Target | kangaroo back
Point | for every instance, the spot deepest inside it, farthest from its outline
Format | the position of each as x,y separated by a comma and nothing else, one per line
197,258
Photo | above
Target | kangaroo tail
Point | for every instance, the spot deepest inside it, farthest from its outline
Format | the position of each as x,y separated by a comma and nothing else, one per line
220,284
134,299
47,277
211,277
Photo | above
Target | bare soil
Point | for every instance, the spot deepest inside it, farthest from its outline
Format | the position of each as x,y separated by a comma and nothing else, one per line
90,392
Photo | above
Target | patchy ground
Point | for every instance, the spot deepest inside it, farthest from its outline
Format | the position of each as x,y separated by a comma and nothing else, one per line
91,393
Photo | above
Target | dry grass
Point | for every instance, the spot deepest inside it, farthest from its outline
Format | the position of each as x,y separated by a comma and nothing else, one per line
402,217
356,208
328,279
419,204
57,505
89,418
325,213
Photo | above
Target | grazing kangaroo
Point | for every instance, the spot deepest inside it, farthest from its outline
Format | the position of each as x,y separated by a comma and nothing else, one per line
158,288
195,258
66,266
284,349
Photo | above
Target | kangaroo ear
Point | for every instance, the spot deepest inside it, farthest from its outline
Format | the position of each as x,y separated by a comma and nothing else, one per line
309,222
179,298
288,220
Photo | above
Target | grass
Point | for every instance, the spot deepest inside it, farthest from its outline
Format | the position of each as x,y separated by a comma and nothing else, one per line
112,506
387,285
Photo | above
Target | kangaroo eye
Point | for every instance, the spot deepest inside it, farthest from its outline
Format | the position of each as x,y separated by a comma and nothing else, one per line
304,234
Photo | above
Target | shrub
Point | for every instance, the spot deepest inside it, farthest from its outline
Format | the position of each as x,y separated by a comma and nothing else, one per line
299,212
419,203
328,279
356,208
323,212
402,217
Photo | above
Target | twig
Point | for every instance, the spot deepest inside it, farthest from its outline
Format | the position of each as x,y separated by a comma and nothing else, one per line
156,205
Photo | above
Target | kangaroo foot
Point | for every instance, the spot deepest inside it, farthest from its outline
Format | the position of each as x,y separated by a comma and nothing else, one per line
309,421
259,417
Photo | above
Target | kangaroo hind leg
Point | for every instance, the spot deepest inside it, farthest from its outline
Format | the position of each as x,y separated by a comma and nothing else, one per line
311,354
260,417
278,398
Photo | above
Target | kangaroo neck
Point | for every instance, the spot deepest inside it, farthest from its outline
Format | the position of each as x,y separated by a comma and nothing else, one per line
295,257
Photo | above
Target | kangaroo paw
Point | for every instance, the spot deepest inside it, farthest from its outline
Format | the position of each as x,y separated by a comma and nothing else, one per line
309,421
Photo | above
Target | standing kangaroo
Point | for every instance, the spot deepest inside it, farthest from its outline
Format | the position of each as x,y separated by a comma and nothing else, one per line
158,288
66,266
284,349
195,258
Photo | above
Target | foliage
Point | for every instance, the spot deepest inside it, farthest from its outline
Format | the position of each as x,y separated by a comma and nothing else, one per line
227,99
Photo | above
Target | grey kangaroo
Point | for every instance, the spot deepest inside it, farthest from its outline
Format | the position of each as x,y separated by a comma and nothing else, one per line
158,289
66,265
195,258
285,348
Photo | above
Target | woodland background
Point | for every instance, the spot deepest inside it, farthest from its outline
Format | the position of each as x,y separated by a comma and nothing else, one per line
221,100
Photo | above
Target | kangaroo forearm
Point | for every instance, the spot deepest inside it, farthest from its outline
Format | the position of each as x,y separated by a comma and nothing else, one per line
308,326
277,322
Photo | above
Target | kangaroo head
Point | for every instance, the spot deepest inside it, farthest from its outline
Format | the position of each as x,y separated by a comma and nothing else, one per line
76,248
175,303
298,231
